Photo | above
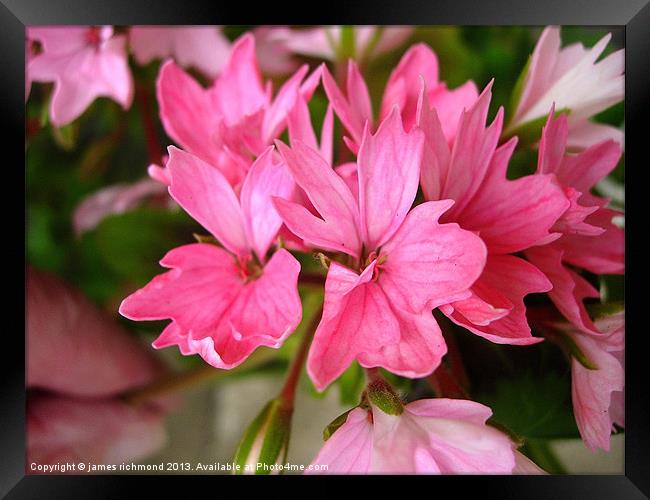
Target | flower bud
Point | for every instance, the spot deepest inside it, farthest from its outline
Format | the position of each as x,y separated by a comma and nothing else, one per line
263,447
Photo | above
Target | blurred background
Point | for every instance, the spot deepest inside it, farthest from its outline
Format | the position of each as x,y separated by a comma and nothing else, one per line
108,259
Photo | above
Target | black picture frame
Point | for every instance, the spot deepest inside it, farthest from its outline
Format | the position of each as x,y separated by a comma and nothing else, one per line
634,15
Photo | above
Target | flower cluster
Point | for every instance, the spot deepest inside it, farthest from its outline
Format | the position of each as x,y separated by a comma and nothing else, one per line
415,220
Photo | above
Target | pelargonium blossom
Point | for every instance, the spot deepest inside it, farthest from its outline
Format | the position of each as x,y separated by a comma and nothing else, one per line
598,392
571,78
233,120
509,216
402,262
201,47
225,301
590,240
326,42
84,63
434,436
354,107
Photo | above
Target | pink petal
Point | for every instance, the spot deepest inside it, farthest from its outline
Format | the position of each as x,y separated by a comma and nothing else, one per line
540,71
189,113
202,47
359,321
440,440
510,278
436,153
552,145
601,254
348,450
62,429
389,172
569,288
471,153
511,216
266,178
239,86
337,230
403,85
207,196
428,263
351,114
275,118
111,200
586,134
592,390
583,171
450,104
215,312
75,348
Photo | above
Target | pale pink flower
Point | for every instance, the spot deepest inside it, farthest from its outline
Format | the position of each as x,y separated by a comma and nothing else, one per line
354,107
233,119
84,63
430,436
509,216
204,48
590,240
325,42
115,199
224,302
405,263
78,361
598,393
571,78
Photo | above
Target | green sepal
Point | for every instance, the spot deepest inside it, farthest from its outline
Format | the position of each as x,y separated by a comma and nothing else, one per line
600,311
381,395
569,345
66,136
334,425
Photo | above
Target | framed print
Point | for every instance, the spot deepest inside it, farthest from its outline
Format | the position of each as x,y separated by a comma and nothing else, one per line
389,244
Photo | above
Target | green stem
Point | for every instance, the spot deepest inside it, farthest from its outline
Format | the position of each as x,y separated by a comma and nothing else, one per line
288,393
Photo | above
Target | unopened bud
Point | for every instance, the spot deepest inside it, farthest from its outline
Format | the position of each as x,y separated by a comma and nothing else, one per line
266,440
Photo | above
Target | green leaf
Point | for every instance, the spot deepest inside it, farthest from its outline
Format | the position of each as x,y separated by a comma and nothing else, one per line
335,424
351,384
534,407
132,243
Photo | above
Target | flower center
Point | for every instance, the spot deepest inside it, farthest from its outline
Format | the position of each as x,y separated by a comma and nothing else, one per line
249,268
378,265
94,36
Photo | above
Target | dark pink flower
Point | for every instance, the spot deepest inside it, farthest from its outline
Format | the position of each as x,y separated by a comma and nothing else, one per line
404,263
226,301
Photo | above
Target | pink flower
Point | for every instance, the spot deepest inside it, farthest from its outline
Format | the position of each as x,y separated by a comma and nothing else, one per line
434,436
115,199
202,47
224,302
354,108
572,79
325,42
598,393
78,362
235,118
403,262
589,239
84,63
509,216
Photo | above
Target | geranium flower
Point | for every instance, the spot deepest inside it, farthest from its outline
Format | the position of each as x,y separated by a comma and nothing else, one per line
201,47
233,120
84,63
509,216
589,239
226,301
571,78
429,436
403,87
402,263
